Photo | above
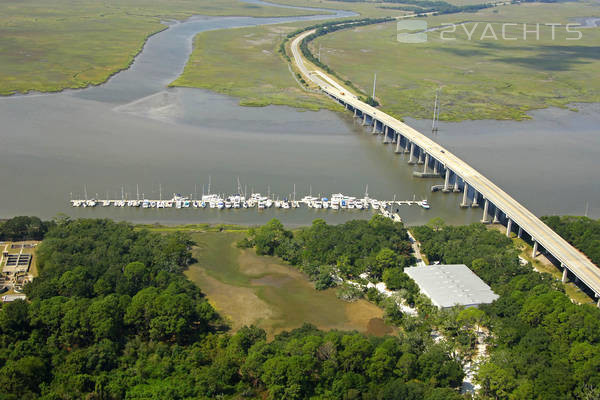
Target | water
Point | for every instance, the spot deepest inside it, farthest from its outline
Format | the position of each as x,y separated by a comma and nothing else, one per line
133,131
549,163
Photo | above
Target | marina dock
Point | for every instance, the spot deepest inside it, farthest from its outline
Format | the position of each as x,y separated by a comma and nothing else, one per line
336,202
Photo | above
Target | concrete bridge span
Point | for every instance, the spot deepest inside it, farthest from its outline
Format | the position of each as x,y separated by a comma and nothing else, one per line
459,176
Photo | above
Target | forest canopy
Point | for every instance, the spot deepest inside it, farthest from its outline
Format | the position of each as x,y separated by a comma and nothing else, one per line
111,316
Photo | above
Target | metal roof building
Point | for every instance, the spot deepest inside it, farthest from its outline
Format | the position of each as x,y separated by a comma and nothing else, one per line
449,285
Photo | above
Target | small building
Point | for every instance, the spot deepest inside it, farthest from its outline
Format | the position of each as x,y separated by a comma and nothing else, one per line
450,285
7,298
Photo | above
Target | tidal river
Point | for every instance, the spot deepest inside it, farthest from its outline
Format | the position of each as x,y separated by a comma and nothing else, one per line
132,132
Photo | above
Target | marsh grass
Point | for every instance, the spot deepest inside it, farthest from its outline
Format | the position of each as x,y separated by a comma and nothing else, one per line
49,46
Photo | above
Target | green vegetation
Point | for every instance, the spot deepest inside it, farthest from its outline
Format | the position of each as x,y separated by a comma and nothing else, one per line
23,228
63,44
581,232
245,63
480,78
544,346
348,250
250,289
427,6
112,317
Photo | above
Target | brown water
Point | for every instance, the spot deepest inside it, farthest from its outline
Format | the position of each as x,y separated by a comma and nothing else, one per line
249,289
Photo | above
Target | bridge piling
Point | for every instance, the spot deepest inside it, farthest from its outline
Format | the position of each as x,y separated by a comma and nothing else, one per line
364,119
456,188
420,161
564,274
508,227
447,181
397,151
465,196
411,160
374,131
475,202
535,249
425,163
520,232
385,135
496,219
486,205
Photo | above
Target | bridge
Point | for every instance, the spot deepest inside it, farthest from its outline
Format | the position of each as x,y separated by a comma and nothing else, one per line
498,206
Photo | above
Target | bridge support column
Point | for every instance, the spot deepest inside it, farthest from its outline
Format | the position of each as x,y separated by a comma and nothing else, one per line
364,119
411,160
346,106
456,188
355,113
535,249
508,227
421,156
465,195
475,202
565,274
486,205
398,145
496,220
447,181
425,163
435,166
520,233
374,131
385,135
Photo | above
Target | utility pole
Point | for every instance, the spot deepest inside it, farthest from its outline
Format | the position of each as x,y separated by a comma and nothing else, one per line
436,112
319,52
374,85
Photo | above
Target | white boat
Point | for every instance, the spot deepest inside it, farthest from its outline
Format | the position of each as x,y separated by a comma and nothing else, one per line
106,203
245,204
228,204
359,205
285,204
277,204
152,204
317,204
220,204
261,205
296,204
145,204
268,203
236,204
350,205
203,204
425,204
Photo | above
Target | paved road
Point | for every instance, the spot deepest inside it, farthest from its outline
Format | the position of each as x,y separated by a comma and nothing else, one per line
576,262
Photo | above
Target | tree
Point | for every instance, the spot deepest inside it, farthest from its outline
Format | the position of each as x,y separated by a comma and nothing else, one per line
384,259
